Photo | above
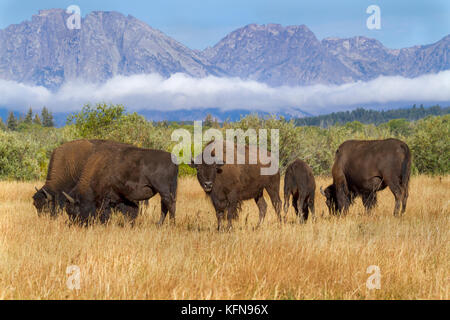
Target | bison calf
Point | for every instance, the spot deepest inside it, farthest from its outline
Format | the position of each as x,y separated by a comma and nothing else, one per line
299,182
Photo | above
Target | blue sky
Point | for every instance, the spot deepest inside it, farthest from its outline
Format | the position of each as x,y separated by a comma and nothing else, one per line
202,23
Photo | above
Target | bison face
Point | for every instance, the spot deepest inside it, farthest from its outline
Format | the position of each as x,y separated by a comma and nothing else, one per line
331,199
206,174
41,200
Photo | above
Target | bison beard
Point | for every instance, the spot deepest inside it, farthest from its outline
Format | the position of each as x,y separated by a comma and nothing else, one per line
229,184
362,168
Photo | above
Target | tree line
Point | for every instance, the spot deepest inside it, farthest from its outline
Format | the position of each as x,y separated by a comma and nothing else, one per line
373,116
14,123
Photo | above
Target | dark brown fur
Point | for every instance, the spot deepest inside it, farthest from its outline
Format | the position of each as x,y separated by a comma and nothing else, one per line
362,168
120,178
229,184
65,166
64,170
300,183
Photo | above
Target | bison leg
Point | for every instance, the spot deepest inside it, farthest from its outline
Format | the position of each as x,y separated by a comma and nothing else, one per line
301,203
404,199
131,211
219,214
105,215
311,207
398,194
369,201
287,195
164,211
276,201
294,203
167,205
262,206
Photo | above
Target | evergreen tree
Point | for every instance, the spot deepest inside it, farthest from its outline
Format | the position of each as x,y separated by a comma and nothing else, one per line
12,122
47,118
37,120
2,125
29,117
208,120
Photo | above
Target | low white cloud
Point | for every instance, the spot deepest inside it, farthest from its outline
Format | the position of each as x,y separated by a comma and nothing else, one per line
153,92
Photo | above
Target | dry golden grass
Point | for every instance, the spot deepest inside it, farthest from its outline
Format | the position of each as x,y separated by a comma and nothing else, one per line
323,260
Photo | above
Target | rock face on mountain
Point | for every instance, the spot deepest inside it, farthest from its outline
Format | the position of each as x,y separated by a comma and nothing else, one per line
45,52
368,58
292,55
277,55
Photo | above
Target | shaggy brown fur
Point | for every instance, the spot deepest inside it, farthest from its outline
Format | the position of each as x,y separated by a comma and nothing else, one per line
365,167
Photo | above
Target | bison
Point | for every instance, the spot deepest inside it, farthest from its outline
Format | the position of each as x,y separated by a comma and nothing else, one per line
64,170
299,182
228,184
362,168
120,177
65,166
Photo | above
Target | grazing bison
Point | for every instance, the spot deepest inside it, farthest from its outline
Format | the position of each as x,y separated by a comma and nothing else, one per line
299,182
66,164
121,177
361,168
229,184
64,170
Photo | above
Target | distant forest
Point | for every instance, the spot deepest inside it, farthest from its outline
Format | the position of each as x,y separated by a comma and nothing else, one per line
372,116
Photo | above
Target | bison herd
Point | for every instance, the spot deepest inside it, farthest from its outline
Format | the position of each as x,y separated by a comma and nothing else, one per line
91,178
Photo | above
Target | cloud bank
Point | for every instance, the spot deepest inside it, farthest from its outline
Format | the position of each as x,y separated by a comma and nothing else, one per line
181,92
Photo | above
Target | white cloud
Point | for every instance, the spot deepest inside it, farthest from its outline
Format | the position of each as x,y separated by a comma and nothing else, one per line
153,92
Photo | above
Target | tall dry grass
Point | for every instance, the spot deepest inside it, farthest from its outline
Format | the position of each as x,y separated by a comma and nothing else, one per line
323,260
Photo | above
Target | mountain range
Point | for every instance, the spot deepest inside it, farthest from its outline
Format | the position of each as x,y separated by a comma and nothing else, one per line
44,52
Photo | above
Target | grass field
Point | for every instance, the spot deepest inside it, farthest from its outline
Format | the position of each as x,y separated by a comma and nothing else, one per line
327,259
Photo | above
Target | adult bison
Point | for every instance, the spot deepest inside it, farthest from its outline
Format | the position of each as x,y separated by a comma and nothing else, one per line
228,184
66,163
362,168
299,182
64,170
120,178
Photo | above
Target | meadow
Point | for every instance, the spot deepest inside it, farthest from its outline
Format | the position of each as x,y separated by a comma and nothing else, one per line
325,259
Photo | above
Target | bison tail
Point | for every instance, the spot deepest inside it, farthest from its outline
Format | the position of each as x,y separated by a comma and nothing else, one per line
406,166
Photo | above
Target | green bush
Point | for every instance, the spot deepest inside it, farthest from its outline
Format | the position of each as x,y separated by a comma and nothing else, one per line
24,154
430,145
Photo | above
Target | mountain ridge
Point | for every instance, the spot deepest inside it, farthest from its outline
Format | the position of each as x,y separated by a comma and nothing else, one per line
43,51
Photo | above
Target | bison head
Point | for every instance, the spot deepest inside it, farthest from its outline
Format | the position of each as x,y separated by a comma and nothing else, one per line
331,199
206,174
77,208
41,200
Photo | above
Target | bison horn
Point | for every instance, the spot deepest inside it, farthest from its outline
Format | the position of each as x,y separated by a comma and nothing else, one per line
48,195
322,192
37,190
68,197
